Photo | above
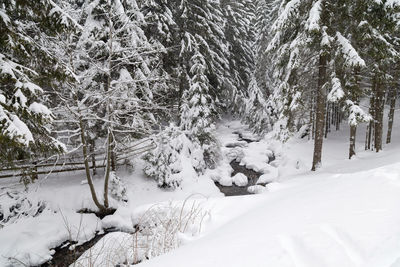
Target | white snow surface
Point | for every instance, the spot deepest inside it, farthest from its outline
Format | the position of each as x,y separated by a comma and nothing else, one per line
30,241
329,219
345,214
240,179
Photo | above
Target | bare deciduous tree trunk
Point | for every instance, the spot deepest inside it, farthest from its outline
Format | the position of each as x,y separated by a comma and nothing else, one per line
93,155
87,168
320,112
108,167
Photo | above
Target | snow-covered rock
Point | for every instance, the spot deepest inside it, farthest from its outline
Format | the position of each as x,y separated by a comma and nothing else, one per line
256,189
270,174
226,181
240,179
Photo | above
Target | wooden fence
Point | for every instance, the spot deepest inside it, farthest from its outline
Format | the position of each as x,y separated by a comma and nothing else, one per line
72,162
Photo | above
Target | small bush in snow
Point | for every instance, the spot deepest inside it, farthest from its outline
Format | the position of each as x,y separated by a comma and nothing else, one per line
166,226
160,229
17,205
117,188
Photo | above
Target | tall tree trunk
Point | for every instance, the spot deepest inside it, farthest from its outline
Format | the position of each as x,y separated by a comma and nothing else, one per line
371,123
379,106
338,117
320,112
327,122
311,123
352,149
355,92
110,143
108,167
113,155
393,95
313,119
87,168
93,156
366,137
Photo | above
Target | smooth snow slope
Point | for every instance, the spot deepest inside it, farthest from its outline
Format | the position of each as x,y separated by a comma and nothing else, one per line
322,220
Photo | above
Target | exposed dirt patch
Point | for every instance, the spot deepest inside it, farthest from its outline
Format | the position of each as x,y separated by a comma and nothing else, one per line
99,214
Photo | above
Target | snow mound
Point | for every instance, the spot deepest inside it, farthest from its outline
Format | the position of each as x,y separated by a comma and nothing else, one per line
240,179
48,230
270,175
328,220
226,181
257,156
256,189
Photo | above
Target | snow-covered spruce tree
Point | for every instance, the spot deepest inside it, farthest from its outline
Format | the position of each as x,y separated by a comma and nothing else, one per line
204,21
160,29
394,84
380,51
160,24
174,158
111,95
266,13
349,67
304,52
240,35
26,68
198,110
257,111
293,60
258,108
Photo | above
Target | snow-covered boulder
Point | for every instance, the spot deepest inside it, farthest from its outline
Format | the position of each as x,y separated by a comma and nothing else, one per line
256,189
225,181
270,174
240,179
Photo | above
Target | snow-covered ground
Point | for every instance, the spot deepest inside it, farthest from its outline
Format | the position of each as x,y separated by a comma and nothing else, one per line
346,214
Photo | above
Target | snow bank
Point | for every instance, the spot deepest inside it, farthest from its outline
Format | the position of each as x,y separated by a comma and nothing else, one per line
29,242
240,179
327,220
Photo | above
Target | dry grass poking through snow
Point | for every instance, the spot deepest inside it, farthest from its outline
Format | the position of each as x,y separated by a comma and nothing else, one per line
160,229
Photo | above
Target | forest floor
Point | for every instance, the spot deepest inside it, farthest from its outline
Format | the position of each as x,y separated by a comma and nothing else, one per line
345,214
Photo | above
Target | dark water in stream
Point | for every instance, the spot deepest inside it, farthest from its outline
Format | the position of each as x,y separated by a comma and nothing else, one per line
252,175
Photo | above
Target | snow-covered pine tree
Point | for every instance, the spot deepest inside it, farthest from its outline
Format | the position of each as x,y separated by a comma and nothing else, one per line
26,66
257,111
240,35
160,24
266,13
379,49
303,52
173,158
293,60
349,66
160,29
198,109
204,21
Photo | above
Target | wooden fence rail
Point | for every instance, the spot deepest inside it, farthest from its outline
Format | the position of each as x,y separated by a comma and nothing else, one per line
58,165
